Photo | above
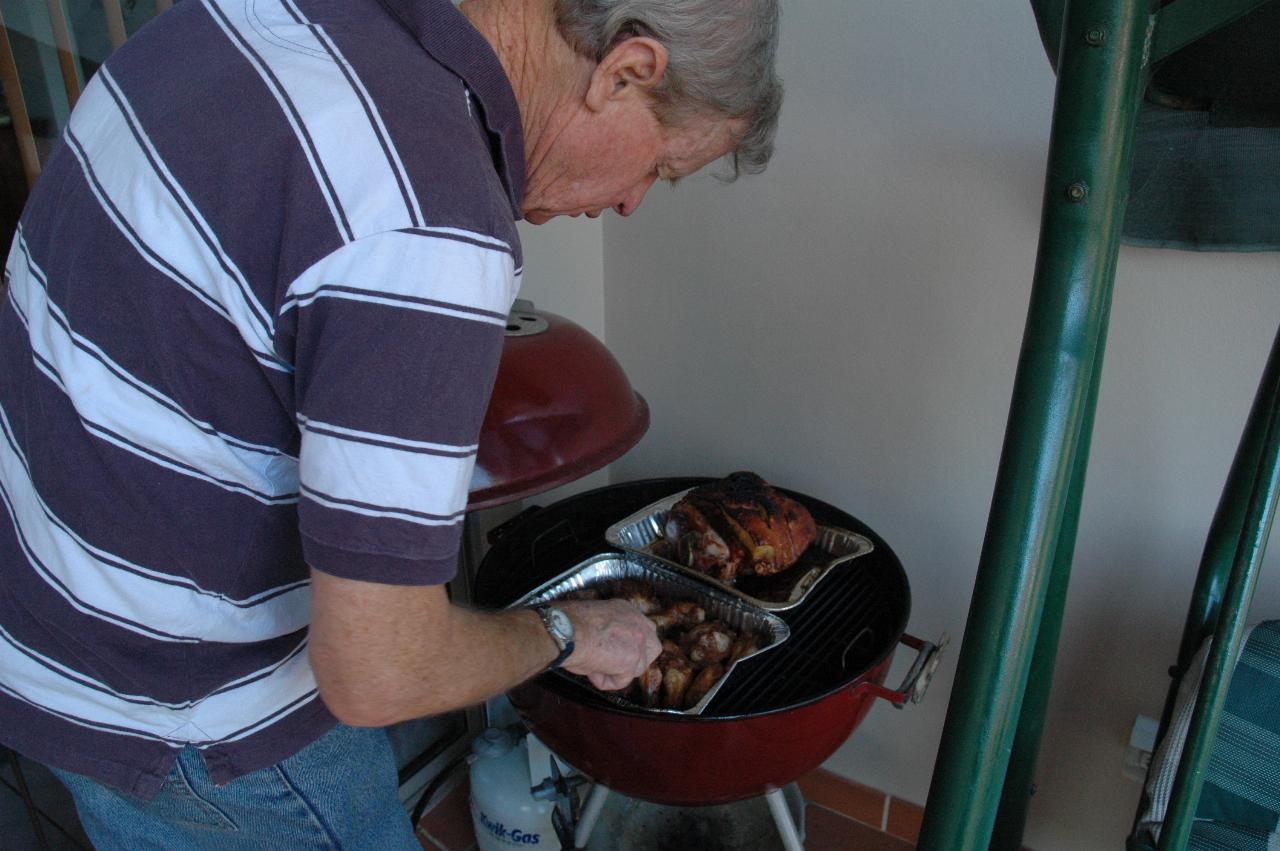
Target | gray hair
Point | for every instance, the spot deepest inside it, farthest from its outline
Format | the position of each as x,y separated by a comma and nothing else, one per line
720,59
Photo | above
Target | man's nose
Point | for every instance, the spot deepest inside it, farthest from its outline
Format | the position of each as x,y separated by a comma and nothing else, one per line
631,203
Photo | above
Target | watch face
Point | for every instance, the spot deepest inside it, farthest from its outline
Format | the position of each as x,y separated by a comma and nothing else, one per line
561,624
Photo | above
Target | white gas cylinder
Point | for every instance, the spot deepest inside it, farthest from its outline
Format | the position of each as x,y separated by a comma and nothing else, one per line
503,812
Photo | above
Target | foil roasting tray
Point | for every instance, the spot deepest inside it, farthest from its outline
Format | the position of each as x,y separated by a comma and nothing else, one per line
607,567
642,532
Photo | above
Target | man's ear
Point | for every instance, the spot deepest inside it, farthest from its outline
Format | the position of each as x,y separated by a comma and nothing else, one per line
636,64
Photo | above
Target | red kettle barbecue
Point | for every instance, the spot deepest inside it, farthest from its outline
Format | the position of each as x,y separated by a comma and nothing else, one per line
781,714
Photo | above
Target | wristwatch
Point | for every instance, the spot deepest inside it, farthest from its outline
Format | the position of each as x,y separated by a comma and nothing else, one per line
560,629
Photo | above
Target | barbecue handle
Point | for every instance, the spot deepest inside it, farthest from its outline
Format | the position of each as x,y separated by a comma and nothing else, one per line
916,682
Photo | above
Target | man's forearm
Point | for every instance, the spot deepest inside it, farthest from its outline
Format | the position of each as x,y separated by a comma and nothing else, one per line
385,653
489,653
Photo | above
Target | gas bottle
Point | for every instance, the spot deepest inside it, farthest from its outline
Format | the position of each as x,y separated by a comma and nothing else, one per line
503,812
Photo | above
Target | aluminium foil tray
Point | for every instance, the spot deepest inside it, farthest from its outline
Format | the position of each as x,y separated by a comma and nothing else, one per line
607,567
642,532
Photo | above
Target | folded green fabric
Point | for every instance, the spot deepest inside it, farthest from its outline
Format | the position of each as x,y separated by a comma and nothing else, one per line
1206,167
1242,785
1239,808
1210,836
1199,185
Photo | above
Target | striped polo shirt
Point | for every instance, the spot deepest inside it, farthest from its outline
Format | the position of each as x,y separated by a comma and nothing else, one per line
253,315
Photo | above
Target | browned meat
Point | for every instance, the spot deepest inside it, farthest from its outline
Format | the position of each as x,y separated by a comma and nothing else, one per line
677,673
638,593
663,622
708,643
739,526
698,545
650,684
702,684
746,643
696,653
687,613
683,613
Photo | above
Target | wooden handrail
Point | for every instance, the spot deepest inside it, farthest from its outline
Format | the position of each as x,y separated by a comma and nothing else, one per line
18,107
66,55
115,22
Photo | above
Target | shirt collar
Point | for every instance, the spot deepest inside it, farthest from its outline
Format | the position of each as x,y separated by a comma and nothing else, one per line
449,37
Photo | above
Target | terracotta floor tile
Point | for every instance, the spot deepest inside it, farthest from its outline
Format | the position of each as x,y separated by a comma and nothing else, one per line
904,819
829,831
844,796
449,821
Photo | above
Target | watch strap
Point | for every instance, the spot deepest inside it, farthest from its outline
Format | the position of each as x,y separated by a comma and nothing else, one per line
564,654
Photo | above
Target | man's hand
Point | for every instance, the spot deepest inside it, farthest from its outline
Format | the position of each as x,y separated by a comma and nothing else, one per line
613,642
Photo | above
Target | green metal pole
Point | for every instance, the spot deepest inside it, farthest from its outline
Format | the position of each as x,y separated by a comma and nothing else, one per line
1228,521
1229,634
1019,782
1101,77
1221,544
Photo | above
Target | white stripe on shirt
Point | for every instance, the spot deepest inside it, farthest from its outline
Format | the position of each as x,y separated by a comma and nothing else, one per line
367,191
372,437
428,269
137,190
134,416
219,717
132,596
382,479
371,109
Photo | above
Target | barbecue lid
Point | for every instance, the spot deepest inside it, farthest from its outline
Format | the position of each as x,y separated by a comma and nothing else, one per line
561,408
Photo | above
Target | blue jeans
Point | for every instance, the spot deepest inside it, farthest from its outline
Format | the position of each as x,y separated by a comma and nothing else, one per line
339,792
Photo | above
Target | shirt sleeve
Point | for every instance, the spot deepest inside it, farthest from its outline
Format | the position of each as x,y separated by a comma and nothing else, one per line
395,342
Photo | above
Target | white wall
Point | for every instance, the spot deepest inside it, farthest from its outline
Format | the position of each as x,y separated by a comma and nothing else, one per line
564,270
848,325
564,274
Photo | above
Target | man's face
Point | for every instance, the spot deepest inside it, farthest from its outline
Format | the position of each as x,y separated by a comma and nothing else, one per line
609,159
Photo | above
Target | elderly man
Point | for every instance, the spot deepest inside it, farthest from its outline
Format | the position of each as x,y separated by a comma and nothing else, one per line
255,309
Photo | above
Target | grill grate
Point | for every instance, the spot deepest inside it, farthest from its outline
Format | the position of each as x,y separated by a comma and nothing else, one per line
835,635
842,630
